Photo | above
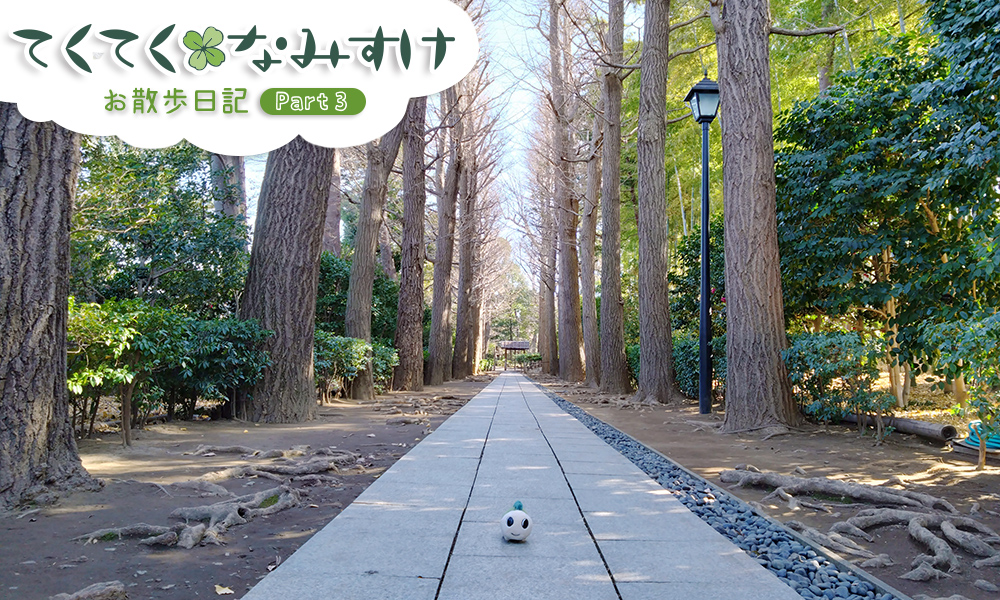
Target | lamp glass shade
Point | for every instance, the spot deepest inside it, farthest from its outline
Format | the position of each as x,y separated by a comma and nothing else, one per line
704,100
709,105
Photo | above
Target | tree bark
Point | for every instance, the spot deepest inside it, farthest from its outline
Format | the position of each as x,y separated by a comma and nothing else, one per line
465,323
385,258
758,393
548,343
588,246
410,312
331,229
358,315
655,339
229,185
440,342
281,285
570,330
614,365
39,163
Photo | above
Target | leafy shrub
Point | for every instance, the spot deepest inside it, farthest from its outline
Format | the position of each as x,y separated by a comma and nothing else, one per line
833,374
527,360
972,348
337,360
155,358
384,360
685,280
331,301
687,364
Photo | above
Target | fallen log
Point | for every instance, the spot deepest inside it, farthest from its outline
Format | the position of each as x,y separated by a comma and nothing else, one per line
933,431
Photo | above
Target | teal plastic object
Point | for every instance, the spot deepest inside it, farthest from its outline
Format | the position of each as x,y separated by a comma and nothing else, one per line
992,443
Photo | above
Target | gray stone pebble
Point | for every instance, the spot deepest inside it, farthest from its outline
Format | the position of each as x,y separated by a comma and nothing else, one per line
812,576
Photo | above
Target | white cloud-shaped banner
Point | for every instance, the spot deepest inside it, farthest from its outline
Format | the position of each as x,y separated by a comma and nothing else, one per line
235,78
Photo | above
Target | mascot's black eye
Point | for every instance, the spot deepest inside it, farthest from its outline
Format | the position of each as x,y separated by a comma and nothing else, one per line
524,524
510,521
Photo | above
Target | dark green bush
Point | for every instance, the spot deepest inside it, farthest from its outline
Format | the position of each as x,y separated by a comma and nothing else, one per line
834,373
686,364
331,300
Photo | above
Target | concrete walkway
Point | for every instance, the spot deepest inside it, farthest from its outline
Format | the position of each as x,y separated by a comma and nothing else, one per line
429,528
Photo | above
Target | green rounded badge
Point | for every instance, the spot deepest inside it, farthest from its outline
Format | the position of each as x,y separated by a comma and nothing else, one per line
312,101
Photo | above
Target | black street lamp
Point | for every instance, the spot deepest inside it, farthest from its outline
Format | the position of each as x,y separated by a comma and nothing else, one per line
704,101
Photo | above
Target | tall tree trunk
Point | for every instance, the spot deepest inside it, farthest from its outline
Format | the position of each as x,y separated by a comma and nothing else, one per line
410,312
331,229
656,379
229,185
548,343
440,350
39,163
284,271
464,352
758,393
614,365
570,334
588,249
358,316
385,258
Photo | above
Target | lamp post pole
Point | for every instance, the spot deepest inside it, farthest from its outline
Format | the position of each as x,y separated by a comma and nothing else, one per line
704,101
705,321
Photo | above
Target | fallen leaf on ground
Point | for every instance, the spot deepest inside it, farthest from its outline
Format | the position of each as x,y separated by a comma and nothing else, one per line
222,591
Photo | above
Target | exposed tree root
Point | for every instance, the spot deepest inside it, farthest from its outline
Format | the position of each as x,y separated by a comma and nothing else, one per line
205,487
879,562
141,530
966,541
248,452
924,572
794,503
918,526
993,561
849,529
832,487
943,555
837,544
167,539
108,590
327,460
191,536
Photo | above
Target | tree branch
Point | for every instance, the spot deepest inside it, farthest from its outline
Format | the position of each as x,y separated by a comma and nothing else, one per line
808,32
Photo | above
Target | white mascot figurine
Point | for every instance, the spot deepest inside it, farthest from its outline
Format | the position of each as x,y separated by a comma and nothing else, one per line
516,524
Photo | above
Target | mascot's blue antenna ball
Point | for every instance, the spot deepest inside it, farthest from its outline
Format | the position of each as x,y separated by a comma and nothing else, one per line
518,505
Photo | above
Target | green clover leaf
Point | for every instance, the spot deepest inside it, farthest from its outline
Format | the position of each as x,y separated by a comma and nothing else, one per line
205,53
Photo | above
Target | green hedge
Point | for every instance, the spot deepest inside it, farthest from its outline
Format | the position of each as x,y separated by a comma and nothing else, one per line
338,360
686,363
834,373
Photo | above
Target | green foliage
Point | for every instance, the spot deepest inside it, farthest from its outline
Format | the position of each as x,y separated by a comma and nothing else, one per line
384,360
687,364
143,228
972,348
331,301
338,360
219,357
685,280
527,360
887,184
834,374
157,357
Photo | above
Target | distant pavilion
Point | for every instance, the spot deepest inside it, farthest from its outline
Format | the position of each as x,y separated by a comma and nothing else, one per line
511,347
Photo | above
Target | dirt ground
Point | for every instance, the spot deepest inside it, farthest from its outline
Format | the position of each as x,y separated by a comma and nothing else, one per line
38,557
836,452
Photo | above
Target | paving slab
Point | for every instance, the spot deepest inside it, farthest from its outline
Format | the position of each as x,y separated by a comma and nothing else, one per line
429,527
